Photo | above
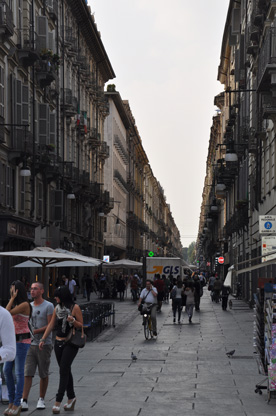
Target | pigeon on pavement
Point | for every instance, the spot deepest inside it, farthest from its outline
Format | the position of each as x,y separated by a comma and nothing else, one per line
230,353
133,357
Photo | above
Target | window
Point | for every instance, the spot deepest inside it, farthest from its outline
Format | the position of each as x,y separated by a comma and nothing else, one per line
22,193
10,199
2,184
2,104
39,200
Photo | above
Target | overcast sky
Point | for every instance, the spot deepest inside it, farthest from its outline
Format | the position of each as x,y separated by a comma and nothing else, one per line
165,55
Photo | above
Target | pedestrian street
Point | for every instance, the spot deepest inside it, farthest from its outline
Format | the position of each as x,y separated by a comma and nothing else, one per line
184,371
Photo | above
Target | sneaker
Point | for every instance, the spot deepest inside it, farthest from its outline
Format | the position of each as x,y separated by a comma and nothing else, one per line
173,320
24,406
40,404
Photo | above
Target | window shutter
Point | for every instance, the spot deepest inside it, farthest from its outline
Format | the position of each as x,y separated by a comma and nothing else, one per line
236,21
2,183
2,96
58,206
43,119
25,104
42,32
53,128
51,42
18,101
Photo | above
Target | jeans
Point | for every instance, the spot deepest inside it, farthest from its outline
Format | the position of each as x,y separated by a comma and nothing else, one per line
15,392
189,310
177,306
65,355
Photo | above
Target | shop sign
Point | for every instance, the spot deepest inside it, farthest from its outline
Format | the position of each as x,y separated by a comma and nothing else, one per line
20,230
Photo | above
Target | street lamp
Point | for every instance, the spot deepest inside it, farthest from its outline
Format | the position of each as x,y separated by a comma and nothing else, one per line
25,171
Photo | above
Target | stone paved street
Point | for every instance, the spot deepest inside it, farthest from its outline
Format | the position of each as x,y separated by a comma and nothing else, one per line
185,371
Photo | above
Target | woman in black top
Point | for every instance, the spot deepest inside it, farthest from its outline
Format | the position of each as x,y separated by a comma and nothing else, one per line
66,315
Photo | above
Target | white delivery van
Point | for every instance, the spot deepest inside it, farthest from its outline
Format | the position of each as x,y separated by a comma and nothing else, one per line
167,266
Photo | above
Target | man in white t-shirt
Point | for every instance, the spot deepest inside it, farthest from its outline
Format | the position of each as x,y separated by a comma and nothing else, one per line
7,336
72,287
149,296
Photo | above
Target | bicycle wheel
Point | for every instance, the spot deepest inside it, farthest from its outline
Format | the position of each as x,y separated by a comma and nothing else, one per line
146,328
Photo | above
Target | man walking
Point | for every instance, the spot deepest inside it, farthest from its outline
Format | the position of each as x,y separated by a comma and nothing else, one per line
41,316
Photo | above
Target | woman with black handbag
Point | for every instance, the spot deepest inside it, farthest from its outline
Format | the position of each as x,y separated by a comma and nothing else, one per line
68,316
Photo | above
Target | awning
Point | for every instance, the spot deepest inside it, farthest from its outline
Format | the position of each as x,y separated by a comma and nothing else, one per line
228,279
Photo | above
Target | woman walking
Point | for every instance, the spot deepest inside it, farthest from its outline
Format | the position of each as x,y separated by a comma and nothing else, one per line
20,309
66,315
190,301
177,300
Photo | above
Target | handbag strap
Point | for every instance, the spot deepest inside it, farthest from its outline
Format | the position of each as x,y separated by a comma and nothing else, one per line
146,296
73,328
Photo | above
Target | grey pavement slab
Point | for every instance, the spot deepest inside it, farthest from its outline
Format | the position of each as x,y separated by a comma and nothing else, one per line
184,371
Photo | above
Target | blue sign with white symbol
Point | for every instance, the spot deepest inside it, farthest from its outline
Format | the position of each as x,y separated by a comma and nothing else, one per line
268,225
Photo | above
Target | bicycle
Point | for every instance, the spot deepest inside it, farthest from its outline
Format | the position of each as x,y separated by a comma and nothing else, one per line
148,331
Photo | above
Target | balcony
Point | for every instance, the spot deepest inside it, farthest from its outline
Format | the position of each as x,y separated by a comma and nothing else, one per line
46,73
106,203
84,178
269,107
52,6
47,164
95,190
83,65
94,138
6,21
238,221
68,170
69,103
267,62
70,41
27,47
104,150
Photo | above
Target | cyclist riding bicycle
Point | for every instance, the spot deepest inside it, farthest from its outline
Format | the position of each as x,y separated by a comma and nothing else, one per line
149,297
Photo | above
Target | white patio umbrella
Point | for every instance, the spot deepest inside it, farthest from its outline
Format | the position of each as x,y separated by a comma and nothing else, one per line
123,263
67,263
44,257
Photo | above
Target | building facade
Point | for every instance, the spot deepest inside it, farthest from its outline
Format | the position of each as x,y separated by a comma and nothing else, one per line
240,174
56,141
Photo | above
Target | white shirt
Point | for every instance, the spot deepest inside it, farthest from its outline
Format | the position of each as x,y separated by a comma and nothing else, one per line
71,285
7,336
150,298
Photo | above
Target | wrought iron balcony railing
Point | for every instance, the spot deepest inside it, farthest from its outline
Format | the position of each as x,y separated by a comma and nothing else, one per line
6,20
266,60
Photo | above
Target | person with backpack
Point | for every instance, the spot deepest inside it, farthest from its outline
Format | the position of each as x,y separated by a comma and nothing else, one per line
21,311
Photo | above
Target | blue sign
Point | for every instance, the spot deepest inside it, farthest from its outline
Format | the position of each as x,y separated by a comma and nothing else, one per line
268,225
